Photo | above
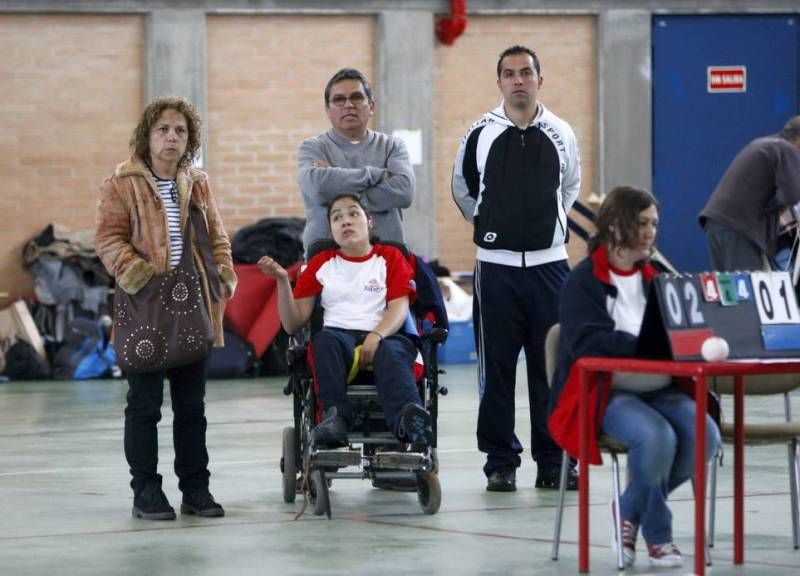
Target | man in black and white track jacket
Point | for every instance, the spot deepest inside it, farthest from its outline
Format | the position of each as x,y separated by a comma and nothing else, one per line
516,175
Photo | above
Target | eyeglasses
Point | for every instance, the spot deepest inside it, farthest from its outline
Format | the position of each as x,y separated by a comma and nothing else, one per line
356,99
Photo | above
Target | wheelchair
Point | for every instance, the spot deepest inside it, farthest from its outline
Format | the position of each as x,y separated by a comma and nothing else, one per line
373,451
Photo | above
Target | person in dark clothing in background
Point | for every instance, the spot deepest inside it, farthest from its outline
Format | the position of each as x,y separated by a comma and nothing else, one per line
741,219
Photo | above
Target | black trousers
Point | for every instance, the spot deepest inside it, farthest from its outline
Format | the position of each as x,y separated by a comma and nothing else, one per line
392,367
730,250
513,309
143,412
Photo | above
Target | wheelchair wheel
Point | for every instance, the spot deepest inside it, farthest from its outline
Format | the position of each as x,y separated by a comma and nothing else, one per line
289,465
429,492
318,494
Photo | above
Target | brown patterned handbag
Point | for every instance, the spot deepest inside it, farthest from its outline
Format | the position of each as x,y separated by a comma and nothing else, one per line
166,323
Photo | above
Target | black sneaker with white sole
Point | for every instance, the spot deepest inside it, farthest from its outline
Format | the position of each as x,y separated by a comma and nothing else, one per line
331,432
416,427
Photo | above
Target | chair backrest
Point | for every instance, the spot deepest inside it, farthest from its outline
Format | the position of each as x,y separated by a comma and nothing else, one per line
758,385
318,246
551,351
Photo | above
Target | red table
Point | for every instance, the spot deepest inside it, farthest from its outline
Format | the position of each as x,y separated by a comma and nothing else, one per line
589,368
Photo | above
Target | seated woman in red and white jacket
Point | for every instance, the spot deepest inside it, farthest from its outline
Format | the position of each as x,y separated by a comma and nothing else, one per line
365,292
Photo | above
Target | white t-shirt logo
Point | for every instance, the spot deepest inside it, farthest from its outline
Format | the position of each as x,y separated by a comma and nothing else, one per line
373,286
490,237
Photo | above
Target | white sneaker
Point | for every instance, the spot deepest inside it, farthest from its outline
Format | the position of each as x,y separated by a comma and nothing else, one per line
665,555
629,530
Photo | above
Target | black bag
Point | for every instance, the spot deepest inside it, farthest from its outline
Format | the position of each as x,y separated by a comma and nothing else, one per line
166,324
233,360
279,238
24,363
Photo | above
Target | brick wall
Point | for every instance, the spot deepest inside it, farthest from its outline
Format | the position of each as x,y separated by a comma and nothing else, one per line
69,106
465,88
71,94
266,76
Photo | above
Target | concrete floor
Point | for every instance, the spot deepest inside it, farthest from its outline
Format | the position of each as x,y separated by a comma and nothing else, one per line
65,500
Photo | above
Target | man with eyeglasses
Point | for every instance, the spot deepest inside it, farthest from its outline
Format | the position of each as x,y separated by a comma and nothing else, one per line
351,159
516,175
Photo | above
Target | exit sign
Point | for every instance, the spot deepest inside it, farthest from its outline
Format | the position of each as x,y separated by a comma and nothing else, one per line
727,78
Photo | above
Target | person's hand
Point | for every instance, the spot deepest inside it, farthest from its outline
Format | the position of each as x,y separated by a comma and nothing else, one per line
368,349
321,164
271,268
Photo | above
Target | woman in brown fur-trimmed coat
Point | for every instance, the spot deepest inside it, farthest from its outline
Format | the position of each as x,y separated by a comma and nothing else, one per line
141,212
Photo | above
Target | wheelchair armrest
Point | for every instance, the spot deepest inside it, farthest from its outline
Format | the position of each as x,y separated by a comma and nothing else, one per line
296,353
437,334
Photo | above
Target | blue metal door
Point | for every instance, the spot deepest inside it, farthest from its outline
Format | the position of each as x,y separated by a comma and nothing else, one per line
696,131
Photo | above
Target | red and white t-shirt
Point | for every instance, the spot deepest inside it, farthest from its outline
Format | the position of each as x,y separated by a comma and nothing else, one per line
627,311
355,291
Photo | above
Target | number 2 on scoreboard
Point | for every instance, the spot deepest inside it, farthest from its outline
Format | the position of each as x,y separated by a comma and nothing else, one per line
682,298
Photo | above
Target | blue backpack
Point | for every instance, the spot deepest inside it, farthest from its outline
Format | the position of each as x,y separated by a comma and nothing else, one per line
86,352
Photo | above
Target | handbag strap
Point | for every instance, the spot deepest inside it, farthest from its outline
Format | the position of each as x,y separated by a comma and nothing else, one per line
204,246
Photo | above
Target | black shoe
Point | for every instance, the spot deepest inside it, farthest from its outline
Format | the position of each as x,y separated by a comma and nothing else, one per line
502,480
416,427
200,502
151,504
396,484
331,432
548,476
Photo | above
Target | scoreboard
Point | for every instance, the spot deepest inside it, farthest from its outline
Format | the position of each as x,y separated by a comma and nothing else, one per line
756,312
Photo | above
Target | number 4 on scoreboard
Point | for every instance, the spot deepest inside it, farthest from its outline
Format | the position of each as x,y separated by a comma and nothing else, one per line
775,298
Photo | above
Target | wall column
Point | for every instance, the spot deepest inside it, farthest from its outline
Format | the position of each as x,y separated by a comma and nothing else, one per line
404,98
175,61
625,109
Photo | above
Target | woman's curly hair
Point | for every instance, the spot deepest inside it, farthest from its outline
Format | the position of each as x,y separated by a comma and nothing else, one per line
140,139
620,211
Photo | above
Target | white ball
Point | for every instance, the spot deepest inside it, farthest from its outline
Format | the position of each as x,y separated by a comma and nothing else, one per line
715,349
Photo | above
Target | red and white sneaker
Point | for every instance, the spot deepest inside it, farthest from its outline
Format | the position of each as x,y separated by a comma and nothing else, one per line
665,555
629,530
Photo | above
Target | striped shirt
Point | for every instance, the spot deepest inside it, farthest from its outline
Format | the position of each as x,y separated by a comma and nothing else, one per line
168,189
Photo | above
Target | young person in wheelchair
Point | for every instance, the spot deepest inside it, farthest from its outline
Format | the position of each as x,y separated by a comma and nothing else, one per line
365,290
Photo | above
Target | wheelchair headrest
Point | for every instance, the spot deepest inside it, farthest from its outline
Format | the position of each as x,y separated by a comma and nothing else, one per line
318,246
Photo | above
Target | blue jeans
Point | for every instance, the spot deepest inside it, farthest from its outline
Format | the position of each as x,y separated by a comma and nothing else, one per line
658,429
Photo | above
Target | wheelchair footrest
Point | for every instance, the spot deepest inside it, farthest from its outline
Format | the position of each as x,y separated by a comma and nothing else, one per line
336,458
374,438
400,460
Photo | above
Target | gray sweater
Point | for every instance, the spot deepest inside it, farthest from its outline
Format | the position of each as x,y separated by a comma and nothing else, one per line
376,169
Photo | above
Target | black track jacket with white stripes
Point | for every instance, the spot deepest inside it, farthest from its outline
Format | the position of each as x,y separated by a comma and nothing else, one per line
516,186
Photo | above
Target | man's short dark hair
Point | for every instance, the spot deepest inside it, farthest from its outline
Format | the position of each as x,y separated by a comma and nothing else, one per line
791,130
518,49
347,74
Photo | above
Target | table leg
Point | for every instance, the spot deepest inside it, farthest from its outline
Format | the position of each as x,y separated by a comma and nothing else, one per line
583,472
701,401
738,470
